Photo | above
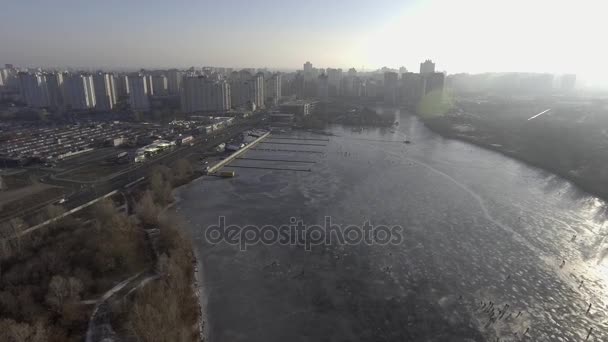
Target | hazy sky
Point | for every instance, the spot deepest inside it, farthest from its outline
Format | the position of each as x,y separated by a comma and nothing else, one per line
459,35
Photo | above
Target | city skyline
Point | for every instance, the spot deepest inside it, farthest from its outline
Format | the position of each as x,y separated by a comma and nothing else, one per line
471,36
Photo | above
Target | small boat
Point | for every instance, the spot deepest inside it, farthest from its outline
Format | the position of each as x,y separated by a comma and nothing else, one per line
407,142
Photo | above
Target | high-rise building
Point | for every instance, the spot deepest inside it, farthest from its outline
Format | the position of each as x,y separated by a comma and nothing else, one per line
105,91
122,85
149,84
358,87
323,87
79,91
138,92
371,88
308,68
204,94
160,84
427,67
247,89
273,89
258,90
334,80
33,89
391,87
434,83
55,86
411,88
174,81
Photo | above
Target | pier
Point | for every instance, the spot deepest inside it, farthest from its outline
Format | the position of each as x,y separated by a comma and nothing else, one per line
268,168
283,150
293,143
278,160
231,157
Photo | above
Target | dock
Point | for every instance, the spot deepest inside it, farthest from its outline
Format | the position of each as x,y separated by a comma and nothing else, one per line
233,156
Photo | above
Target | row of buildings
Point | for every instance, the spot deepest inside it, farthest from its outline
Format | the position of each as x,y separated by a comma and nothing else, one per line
196,90
222,92
81,91
393,86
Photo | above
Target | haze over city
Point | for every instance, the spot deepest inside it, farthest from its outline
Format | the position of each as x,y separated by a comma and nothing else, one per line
467,36
270,171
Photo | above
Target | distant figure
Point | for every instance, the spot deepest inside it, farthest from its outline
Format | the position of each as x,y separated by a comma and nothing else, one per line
589,334
589,308
563,264
573,238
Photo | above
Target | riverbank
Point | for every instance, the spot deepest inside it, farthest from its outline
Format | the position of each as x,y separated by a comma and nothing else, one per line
454,200
198,276
451,129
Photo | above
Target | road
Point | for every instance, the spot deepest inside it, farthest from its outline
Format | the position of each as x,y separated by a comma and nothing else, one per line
83,193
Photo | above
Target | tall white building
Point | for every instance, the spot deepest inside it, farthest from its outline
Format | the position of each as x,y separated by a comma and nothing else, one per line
105,91
149,84
79,91
138,92
203,94
174,81
257,90
3,77
122,85
33,89
246,89
273,89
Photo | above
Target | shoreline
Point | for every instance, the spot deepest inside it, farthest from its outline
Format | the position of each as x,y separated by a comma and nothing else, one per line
198,286
591,190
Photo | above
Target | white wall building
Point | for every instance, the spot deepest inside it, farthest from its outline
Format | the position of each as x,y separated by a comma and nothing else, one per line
273,89
105,91
202,94
149,84
122,85
247,89
79,91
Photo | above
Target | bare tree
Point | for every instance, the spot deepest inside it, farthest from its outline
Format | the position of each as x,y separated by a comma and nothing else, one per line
147,210
53,211
18,226
183,169
62,290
